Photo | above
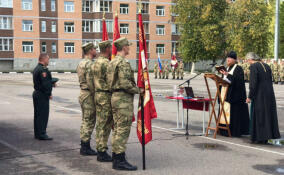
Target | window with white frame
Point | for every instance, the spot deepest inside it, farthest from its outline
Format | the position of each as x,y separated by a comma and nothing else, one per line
6,3
124,8
146,27
68,6
53,5
43,47
97,26
145,8
27,4
175,30
109,25
124,28
86,26
53,26
160,10
6,23
53,48
43,26
160,49
87,5
43,5
105,6
69,47
6,44
27,25
28,46
69,27
160,30
147,45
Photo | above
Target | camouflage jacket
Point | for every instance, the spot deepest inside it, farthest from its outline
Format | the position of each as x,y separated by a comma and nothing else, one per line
120,76
85,77
99,69
181,66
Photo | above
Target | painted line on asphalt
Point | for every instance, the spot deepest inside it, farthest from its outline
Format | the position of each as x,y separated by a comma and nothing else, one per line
166,129
226,142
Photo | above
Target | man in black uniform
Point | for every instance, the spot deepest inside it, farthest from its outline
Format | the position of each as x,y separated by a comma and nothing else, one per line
42,94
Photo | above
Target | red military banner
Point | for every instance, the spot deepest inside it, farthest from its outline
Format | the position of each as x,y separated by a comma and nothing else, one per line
105,34
116,35
144,82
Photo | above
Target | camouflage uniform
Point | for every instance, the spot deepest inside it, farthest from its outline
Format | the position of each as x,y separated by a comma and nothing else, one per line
174,71
180,70
282,72
161,72
164,71
156,69
102,103
86,99
167,71
122,84
275,72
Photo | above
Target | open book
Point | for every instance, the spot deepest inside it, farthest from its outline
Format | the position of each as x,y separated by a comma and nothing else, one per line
219,68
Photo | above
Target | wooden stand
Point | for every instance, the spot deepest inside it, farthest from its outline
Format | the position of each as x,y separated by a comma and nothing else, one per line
219,83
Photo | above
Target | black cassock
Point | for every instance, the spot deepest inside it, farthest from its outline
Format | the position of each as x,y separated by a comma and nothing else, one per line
239,115
264,111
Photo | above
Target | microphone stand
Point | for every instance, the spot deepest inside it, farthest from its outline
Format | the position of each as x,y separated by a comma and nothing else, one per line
186,129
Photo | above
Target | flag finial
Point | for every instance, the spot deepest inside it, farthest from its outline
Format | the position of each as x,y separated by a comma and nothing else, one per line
104,15
140,7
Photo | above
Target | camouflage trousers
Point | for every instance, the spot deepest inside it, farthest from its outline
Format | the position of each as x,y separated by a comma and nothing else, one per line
180,74
122,111
160,75
104,120
174,73
276,77
88,118
156,73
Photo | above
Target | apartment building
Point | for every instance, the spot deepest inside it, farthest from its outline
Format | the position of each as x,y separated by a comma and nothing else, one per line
60,27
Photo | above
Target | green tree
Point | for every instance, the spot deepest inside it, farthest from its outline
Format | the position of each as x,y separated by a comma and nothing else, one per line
202,29
281,31
248,27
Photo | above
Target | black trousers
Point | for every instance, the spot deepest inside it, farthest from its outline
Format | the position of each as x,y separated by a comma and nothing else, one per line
41,113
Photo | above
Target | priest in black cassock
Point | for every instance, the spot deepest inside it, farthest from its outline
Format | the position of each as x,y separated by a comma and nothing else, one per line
264,122
236,97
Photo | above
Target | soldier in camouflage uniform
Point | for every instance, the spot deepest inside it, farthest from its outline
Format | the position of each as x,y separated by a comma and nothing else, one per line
166,70
86,98
180,70
161,72
102,101
282,72
275,72
156,69
122,84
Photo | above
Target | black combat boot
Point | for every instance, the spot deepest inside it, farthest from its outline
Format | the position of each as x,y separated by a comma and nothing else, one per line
103,157
86,149
120,163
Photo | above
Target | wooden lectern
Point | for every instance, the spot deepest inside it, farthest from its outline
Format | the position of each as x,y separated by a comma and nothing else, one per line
219,83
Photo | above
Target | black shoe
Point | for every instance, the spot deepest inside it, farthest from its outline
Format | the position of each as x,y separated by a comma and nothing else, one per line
104,157
86,149
44,137
120,163
182,78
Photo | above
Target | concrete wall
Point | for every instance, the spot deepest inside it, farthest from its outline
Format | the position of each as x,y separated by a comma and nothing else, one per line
26,64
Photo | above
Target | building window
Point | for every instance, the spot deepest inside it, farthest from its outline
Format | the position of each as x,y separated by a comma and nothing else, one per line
69,48
86,5
68,6
6,3
6,23
86,26
43,5
43,47
147,45
105,6
175,30
109,25
43,26
160,30
69,27
28,46
124,8
160,10
53,47
53,26
97,26
27,4
27,25
146,27
53,5
160,49
124,28
145,8
6,44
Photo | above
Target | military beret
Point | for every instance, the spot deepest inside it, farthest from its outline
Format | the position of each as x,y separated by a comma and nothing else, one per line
88,46
119,43
104,44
